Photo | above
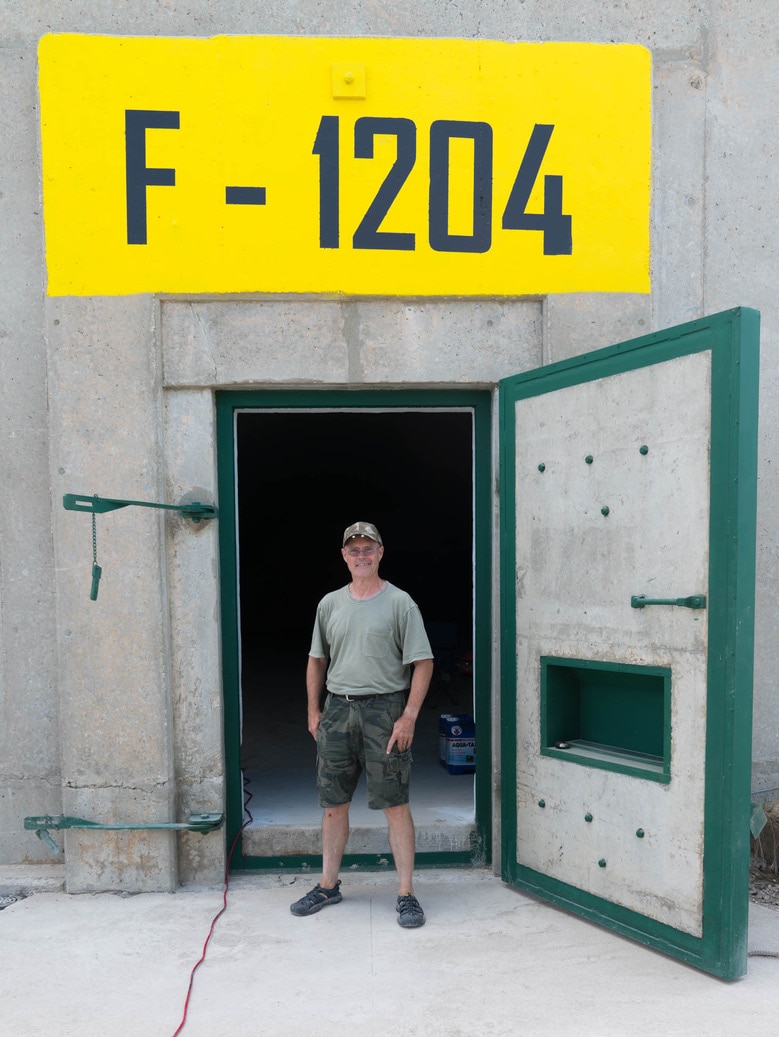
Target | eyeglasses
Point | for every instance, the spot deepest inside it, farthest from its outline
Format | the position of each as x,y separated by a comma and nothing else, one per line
355,552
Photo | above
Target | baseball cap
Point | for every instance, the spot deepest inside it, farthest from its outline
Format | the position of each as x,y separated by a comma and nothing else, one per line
362,529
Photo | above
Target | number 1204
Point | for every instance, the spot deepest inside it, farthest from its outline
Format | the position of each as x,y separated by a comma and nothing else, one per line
552,222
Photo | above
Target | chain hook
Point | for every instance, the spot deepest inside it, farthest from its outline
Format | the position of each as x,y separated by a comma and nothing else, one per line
96,570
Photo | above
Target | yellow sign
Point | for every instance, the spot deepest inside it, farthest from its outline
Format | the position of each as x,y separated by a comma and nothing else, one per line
357,166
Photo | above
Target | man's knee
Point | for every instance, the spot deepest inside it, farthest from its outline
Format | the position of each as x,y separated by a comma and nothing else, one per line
333,813
400,814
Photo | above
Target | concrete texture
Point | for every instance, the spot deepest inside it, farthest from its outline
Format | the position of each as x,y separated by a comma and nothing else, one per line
29,722
367,343
193,582
114,712
662,875
490,962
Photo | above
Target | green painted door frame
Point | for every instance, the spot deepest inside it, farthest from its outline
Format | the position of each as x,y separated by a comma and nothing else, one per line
727,346
479,402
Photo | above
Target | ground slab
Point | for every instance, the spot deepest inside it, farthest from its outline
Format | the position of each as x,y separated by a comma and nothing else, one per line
489,961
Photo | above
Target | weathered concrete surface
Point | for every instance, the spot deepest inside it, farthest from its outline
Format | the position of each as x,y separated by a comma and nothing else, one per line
117,707
314,343
675,26
571,604
195,648
115,711
489,961
303,840
29,721
742,263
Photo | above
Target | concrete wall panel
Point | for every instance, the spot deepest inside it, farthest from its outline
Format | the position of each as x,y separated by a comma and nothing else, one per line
338,343
29,721
105,400
576,324
668,25
742,260
246,343
678,192
195,647
443,342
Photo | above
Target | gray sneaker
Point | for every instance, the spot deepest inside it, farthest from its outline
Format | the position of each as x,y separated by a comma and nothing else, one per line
410,914
316,899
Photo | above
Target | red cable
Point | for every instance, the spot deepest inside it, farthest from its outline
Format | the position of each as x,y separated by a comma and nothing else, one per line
218,915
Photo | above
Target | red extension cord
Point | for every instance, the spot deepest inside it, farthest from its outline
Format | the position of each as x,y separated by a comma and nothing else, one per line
218,915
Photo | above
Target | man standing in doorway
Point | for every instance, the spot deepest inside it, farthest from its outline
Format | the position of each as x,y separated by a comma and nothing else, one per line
367,636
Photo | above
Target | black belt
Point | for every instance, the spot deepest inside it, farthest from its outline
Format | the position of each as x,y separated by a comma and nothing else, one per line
364,698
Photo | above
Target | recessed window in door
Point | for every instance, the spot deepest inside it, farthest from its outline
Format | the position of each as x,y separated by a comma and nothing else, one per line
302,477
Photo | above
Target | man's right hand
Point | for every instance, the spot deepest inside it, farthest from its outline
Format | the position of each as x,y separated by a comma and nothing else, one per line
316,671
313,723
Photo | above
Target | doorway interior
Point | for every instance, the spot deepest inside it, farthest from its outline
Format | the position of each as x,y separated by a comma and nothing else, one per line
302,474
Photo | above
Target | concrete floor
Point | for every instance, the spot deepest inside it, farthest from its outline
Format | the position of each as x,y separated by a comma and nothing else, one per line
279,761
490,962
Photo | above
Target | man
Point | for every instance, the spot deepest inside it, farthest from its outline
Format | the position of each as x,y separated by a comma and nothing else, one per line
367,636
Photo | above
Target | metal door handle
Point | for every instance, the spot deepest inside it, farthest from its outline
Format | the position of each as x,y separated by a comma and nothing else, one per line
694,601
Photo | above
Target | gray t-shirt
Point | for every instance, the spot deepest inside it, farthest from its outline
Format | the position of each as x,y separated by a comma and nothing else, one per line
370,644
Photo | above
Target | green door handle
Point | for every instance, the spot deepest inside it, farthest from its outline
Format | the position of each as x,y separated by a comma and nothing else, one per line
694,601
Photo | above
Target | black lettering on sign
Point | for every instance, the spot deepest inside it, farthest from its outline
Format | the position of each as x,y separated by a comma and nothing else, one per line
326,146
555,226
368,234
480,239
139,175
552,222
244,196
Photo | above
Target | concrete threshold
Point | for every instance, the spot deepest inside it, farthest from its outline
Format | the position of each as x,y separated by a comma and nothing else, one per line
278,840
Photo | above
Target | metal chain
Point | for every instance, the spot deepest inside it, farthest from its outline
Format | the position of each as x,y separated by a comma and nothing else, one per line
96,570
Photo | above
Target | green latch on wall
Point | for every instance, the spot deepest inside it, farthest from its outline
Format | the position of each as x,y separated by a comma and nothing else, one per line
100,505
42,826
694,601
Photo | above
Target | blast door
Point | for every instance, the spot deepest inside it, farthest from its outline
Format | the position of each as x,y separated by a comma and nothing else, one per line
628,481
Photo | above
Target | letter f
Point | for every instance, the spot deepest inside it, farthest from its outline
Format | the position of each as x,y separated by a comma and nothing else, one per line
139,175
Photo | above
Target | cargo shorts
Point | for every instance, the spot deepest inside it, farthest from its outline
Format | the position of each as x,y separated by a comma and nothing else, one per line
352,738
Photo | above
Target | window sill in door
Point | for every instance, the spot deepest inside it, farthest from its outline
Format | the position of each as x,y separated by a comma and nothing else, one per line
611,758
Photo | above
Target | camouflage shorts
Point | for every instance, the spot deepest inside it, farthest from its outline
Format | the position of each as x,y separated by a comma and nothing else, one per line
353,738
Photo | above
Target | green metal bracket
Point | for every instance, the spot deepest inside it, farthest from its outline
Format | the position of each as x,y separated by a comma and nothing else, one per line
42,826
695,601
99,505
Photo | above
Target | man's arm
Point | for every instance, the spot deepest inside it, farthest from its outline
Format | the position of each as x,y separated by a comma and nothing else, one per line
315,683
403,731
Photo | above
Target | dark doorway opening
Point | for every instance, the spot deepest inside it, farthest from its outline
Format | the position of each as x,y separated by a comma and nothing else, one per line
302,477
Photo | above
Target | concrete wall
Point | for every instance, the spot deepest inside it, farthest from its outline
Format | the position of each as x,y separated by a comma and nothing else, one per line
115,712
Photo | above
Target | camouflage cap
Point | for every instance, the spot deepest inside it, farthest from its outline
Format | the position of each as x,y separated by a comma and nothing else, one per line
362,529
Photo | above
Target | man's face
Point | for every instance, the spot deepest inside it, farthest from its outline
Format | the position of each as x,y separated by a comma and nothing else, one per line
362,555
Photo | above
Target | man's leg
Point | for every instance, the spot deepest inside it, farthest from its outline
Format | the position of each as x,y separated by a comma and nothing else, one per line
335,833
401,836
400,825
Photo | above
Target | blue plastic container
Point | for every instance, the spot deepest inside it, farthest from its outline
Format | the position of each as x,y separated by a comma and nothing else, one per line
457,743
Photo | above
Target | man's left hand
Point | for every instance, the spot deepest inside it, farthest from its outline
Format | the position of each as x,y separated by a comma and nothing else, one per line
402,733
